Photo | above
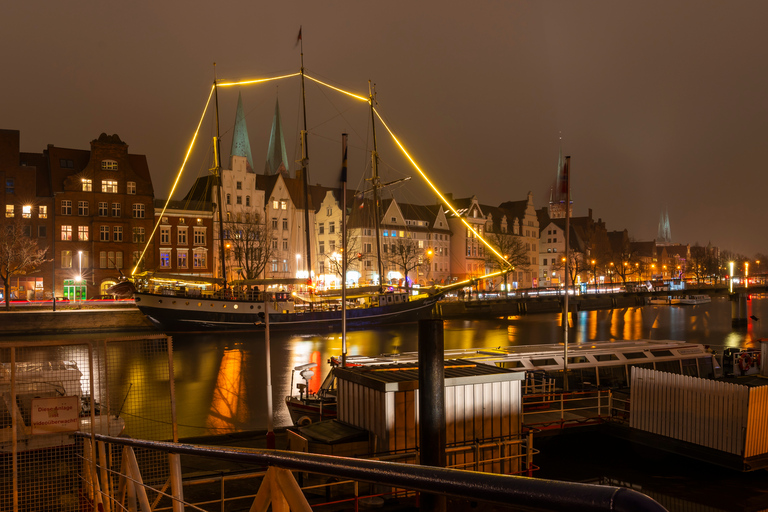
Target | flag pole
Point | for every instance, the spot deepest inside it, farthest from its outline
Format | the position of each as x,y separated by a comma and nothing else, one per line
567,179
343,204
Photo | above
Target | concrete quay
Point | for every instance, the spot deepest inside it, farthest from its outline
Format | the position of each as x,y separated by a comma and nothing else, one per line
67,321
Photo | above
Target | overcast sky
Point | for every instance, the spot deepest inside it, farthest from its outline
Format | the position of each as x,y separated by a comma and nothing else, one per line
661,104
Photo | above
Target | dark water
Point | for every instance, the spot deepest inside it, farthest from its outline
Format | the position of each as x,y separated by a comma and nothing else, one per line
220,378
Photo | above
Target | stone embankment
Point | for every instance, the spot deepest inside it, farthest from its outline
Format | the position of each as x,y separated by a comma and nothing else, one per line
530,305
66,320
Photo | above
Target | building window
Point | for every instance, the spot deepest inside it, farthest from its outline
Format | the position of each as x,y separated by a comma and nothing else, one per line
285,224
247,200
87,184
367,248
275,204
285,265
239,200
131,189
329,211
116,209
27,230
274,265
138,210
42,212
165,259
117,234
199,236
118,259
274,244
138,235
108,165
322,247
165,235
66,233
42,231
285,245
66,207
83,208
10,186
109,186
239,185
66,259
102,259
82,233
229,199
283,204
274,223
104,233
199,259
331,227
332,245
103,209
321,227
65,163
181,236
9,211
181,259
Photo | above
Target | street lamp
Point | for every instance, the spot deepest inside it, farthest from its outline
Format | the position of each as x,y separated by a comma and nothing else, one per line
746,274
731,265
80,273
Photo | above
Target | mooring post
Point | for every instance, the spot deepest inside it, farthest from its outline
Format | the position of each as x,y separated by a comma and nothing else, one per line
738,309
431,404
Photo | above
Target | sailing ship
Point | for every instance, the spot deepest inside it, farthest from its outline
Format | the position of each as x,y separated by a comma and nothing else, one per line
182,303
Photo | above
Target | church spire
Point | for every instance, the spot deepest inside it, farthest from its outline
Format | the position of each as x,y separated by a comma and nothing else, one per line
557,193
241,145
665,233
277,157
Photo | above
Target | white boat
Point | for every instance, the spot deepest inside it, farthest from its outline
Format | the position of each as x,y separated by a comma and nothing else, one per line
690,300
37,386
599,364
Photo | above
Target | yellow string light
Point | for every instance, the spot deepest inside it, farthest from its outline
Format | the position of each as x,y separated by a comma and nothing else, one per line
434,188
176,182
353,95
256,80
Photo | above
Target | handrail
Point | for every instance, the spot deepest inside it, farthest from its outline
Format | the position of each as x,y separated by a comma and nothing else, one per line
503,489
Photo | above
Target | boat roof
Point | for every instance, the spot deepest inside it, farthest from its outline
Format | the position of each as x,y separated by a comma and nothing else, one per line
179,278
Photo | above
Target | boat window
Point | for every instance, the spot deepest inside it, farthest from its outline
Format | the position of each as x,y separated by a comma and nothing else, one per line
661,353
612,376
706,371
578,378
634,355
607,357
668,366
543,362
578,359
689,367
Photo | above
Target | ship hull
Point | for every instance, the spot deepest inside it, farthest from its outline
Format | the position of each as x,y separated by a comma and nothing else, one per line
188,314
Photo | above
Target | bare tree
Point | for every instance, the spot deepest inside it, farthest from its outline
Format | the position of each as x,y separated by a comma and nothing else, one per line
250,244
407,256
354,256
19,255
512,248
698,265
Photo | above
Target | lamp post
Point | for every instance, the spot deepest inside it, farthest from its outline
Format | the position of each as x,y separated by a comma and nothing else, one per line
594,274
298,260
746,274
731,278
80,273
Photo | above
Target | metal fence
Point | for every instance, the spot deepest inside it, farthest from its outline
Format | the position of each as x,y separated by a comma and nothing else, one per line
50,389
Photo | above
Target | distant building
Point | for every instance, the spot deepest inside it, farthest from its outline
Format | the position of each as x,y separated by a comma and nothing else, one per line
92,209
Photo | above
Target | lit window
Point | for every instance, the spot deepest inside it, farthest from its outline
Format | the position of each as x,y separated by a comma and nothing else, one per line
87,184
42,212
82,233
199,259
131,187
66,259
66,233
109,186
181,260
108,165
275,204
10,186
9,210
165,259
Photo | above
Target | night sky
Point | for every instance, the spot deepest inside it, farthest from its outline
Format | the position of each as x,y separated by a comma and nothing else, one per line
661,105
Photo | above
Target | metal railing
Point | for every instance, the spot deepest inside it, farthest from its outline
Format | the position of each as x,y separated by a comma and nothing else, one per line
500,489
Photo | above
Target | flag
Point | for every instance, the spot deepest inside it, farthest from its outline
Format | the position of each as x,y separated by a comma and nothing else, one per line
298,39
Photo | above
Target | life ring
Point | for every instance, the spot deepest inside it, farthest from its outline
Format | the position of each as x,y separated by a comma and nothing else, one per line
304,421
745,362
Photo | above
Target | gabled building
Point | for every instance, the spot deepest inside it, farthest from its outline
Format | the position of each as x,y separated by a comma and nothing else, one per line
467,252
184,240
523,222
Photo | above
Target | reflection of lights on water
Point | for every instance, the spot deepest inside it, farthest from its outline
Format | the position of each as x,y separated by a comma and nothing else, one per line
228,405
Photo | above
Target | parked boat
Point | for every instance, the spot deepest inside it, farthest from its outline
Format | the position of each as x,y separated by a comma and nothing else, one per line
667,300
53,387
690,300
601,364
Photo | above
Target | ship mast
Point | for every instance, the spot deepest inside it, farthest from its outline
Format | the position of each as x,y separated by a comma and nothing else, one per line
304,164
375,184
220,183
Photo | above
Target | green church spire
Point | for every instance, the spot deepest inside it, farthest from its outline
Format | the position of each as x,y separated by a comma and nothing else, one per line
241,145
277,157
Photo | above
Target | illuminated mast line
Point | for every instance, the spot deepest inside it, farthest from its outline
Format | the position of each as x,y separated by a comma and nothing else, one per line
192,144
175,183
416,166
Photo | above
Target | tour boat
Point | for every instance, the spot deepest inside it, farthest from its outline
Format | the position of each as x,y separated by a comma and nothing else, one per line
598,364
666,300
